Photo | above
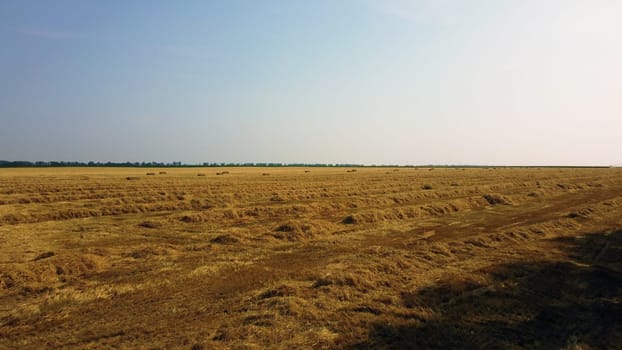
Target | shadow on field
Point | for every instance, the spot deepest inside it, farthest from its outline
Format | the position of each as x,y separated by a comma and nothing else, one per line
574,304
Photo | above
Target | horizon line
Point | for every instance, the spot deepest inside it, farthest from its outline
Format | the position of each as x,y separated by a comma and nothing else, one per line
143,164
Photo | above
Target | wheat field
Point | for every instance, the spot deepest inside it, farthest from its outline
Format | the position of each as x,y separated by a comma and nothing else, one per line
310,258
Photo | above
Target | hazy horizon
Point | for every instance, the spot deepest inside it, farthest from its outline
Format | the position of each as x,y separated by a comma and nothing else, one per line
363,82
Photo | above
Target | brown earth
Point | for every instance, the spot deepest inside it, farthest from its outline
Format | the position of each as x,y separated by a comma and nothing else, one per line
331,258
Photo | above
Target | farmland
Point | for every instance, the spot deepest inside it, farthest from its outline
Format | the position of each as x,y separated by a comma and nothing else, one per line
333,258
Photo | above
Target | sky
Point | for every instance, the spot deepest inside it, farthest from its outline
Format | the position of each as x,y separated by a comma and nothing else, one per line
497,82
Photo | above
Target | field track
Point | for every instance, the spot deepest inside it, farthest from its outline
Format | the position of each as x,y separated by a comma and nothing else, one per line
310,258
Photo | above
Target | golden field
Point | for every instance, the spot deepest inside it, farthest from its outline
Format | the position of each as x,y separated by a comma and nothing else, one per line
310,258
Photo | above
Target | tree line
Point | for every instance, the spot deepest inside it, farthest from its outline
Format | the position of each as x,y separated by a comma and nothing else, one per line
24,164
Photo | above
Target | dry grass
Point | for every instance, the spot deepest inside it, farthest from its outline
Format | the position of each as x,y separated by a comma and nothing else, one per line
333,259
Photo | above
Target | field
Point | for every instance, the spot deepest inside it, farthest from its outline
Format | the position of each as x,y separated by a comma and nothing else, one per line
319,258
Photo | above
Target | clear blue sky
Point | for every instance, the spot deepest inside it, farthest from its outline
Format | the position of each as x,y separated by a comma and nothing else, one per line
408,82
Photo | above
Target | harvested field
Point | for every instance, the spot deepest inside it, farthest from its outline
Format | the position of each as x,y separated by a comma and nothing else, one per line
374,258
